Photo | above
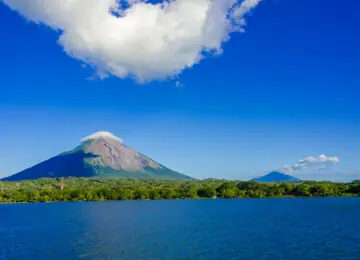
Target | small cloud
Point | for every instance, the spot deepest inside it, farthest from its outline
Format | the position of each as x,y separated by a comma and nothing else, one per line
178,84
323,161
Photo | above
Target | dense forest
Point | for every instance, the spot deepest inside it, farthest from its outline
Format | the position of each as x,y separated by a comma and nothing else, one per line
81,189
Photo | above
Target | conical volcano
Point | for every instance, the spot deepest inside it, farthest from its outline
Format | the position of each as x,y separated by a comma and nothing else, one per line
100,155
276,177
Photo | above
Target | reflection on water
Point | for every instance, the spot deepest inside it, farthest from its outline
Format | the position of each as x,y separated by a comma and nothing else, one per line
183,229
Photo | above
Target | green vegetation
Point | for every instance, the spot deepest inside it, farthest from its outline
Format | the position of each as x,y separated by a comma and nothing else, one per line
80,189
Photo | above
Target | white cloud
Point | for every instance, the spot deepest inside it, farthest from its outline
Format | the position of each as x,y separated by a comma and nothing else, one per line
322,161
178,84
136,38
101,134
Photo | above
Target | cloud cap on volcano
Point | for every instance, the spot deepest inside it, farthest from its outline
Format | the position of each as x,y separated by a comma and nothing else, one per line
101,134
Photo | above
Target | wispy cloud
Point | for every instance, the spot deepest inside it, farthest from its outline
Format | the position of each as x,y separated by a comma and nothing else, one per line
322,161
178,84
134,38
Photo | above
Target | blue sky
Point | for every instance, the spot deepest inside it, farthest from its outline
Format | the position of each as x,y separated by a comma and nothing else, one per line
285,89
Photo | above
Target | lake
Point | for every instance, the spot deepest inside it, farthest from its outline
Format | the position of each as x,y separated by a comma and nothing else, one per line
316,228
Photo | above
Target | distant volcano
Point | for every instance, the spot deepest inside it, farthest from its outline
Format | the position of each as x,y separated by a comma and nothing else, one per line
276,177
100,155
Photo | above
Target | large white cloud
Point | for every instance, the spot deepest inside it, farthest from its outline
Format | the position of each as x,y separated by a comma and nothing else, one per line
136,38
322,160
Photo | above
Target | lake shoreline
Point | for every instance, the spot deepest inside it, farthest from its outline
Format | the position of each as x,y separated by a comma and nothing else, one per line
79,189
181,199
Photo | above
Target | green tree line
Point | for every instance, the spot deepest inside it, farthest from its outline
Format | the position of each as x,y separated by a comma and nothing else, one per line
82,189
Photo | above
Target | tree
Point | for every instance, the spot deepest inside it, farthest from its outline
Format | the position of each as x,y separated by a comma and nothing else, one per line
141,194
303,190
227,190
154,194
170,193
190,193
124,194
206,192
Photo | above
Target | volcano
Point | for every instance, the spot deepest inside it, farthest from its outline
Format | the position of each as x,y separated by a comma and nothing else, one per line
100,155
276,177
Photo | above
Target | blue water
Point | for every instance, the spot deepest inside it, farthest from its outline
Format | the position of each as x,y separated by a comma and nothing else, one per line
326,228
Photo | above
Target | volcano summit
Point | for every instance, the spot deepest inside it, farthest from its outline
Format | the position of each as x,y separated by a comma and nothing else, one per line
100,155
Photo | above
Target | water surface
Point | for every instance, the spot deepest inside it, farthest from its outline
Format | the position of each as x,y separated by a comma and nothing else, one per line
327,228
